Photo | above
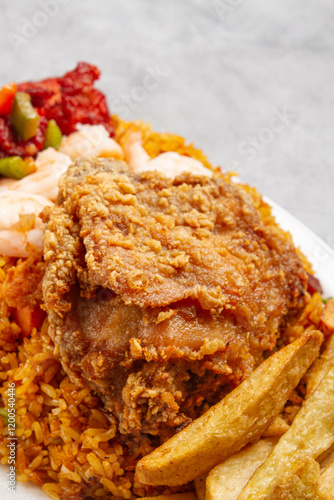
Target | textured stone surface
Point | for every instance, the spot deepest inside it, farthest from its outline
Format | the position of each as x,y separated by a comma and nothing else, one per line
248,81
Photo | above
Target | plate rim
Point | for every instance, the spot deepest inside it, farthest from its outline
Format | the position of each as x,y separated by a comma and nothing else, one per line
33,492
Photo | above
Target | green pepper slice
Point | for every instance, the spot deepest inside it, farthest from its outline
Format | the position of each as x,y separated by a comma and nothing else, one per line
16,168
53,135
24,116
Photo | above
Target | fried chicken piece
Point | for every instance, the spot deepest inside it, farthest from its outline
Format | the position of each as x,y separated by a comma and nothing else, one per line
162,291
139,365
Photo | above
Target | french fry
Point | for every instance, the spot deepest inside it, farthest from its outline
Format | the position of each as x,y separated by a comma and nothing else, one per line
241,417
277,428
200,486
190,495
326,483
228,479
311,432
320,367
327,318
326,458
301,481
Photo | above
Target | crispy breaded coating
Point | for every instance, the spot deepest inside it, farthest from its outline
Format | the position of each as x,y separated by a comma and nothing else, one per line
23,284
156,285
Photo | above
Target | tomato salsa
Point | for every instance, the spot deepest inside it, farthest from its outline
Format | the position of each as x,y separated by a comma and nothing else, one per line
34,115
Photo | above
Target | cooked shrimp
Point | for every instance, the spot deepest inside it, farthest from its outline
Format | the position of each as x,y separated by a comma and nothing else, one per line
135,154
50,166
19,222
90,140
170,163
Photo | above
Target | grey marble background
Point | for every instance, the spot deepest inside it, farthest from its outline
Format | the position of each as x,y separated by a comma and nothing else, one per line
251,82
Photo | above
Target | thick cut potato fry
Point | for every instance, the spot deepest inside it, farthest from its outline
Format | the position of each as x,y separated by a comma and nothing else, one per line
200,486
228,479
320,367
301,481
241,417
177,496
326,483
327,318
327,457
311,432
277,428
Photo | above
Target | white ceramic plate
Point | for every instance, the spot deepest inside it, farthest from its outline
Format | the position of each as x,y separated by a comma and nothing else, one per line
317,251
320,255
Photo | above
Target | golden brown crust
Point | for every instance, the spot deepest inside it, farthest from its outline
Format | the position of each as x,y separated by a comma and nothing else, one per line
23,284
152,280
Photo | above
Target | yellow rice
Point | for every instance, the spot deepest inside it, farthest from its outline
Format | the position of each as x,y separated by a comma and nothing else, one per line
66,443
